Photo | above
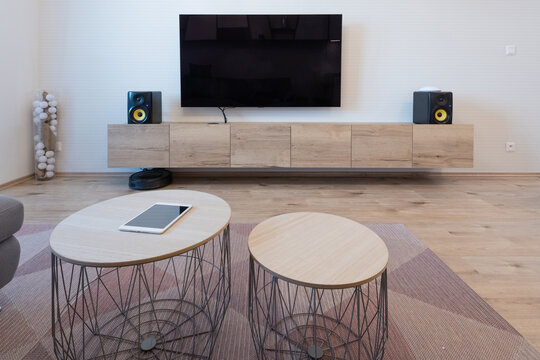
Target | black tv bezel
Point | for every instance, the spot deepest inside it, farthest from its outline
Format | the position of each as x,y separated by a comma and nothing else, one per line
262,106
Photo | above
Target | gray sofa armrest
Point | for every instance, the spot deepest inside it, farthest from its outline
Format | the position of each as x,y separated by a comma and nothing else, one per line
11,216
10,252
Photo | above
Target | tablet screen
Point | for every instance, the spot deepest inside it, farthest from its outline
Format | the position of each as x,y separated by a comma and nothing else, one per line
158,216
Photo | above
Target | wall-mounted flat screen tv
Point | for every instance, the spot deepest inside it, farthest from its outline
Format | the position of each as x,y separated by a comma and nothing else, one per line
260,60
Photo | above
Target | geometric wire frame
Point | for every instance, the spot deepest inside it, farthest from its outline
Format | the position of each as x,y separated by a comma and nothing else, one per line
290,321
168,309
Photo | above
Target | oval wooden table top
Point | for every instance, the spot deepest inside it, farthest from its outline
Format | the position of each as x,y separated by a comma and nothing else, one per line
91,236
318,250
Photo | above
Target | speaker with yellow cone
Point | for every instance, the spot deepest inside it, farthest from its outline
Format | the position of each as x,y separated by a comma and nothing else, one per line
144,107
432,107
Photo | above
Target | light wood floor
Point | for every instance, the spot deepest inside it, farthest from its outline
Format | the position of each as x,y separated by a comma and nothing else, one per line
486,229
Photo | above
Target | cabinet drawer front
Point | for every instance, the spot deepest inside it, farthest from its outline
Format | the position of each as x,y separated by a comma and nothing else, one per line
382,145
260,145
139,146
320,146
200,145
443,146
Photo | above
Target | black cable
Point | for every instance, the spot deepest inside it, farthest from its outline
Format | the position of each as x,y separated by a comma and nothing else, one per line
223,112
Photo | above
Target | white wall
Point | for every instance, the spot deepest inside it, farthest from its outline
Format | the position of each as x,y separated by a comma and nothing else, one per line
18,79
93,52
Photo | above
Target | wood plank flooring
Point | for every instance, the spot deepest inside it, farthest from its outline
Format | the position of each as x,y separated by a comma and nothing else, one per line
487,229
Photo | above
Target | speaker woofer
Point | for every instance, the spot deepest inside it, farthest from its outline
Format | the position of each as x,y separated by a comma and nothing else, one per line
441,115
139,115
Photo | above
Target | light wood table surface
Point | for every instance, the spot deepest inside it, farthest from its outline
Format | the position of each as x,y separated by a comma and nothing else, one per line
318,250
91,236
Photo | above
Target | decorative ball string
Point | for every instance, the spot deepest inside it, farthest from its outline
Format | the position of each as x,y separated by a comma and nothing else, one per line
45,133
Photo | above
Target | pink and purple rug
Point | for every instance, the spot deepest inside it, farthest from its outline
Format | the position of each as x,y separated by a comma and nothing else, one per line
433,314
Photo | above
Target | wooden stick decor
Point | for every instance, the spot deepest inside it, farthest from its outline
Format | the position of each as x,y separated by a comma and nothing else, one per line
45,131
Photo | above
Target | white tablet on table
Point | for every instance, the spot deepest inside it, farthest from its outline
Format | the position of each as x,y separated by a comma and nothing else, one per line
157,218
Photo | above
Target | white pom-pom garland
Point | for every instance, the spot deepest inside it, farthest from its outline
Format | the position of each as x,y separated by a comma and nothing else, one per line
44,117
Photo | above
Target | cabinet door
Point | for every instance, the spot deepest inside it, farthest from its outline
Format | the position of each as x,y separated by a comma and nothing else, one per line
443,146
382,145
141,146
200,145
320,146
260,145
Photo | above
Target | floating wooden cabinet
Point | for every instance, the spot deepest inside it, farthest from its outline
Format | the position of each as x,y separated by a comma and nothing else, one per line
443,146
382,145
200,145
283,145
138,145
320,146
260,145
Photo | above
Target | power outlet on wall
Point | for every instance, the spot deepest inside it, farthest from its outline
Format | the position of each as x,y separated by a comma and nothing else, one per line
58,146
510,50
510,146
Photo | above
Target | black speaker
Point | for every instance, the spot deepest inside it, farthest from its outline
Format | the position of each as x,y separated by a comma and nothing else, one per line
144,107
432,107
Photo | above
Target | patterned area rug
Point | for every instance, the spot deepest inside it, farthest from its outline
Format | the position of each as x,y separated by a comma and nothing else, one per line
433,314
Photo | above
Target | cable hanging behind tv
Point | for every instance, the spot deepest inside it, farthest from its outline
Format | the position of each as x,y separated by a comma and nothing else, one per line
260,60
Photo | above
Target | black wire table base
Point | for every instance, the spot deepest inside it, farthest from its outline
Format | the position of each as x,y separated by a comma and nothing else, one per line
168,309
290,321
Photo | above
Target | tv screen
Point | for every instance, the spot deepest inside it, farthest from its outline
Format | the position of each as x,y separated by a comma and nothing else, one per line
260,60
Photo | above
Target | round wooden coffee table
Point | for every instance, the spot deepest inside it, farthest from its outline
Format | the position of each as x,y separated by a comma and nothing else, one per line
135,295
317,288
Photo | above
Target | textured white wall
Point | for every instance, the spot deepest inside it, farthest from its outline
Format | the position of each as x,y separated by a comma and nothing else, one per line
18,80
93,52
